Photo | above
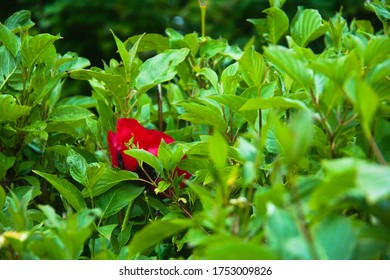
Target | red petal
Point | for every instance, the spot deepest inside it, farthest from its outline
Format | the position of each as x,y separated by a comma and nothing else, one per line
113,147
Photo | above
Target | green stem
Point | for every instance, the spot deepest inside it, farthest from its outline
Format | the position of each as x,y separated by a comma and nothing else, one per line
374,147
127,215
302,220
203,7
92,248
160,108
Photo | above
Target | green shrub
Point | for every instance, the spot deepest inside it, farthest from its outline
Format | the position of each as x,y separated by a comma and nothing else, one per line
273,152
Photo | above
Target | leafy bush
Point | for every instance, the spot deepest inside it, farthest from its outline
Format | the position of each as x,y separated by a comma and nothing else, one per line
219,152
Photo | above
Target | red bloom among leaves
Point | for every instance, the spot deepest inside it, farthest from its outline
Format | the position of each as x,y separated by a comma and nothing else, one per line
146,139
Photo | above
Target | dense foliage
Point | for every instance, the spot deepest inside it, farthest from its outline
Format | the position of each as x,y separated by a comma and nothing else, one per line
205,150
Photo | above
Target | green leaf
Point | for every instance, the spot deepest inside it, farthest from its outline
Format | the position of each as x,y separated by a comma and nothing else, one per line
66,189
283,234
253,68
335,238
127,56
150,42
197,113
235,103
379,72
232,248
213,47
364,99
68,113
34,47
349,175
288,62
112,201
9,40
218,150
377,50
211,76
20,19
230,79
146,157
107,180
78,100
276,3
5,164
106,230
260,25
381,10
77,167
277,24
115,84
154,233
164,154
8,66
9,110
374,181
293,139
276,102
106,116
2,197
159,69
307,26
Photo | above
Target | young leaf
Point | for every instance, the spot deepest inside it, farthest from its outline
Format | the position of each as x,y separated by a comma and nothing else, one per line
115,84
149,42
277,24
127,56
106,230
276,102
287,61
307,26
66,189
218,150
253,68
211,76
230,79
197,113
9,110
377,50
146,157
20,19
107,180
159,69
33,47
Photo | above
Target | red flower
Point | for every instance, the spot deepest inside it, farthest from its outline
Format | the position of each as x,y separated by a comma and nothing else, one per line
142,138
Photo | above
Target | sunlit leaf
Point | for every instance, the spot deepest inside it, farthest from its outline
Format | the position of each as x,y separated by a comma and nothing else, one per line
9,110
307,26
288,62
277,24
159,69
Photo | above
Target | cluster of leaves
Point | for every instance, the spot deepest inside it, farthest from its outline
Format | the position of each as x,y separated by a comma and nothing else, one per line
287,148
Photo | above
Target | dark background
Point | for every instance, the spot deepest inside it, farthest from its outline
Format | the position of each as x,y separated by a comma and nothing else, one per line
85,24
